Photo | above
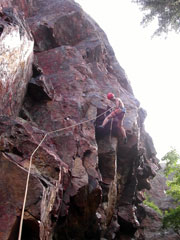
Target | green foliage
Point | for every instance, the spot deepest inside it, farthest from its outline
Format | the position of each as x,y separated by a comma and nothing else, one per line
166,11
172,219
151,204
172,171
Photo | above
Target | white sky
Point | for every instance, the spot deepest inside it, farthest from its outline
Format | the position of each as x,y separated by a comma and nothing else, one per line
152,66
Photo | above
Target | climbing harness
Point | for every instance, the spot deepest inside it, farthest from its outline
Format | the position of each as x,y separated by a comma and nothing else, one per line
31,158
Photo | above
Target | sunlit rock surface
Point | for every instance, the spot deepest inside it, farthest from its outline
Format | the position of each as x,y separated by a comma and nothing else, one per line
16,56
85,183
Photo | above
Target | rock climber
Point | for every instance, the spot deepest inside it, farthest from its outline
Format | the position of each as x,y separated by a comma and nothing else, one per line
117,114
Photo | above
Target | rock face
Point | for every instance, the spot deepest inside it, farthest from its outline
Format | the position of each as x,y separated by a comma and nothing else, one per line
158,189
84,183
151,227
16,48
152,223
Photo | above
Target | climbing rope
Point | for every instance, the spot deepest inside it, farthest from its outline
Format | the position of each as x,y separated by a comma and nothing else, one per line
110,136
31,158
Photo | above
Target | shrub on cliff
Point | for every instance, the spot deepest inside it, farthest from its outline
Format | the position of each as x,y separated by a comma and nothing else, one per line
172,171
151,204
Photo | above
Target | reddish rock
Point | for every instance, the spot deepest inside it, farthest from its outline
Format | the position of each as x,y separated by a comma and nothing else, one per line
91,182
151,227
152,223
157,192
12,185
18,140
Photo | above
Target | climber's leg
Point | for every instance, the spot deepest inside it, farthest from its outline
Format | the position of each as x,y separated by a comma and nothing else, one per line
121,129
106,120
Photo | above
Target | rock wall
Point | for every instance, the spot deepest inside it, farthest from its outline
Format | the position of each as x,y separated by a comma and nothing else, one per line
16,48
152,223
84,183
151,227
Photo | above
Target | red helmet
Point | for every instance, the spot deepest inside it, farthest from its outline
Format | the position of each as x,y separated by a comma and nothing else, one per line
110,96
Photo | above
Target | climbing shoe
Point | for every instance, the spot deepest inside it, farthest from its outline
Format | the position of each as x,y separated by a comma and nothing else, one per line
101,126
125,140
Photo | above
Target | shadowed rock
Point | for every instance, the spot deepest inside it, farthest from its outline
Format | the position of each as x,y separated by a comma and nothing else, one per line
89,182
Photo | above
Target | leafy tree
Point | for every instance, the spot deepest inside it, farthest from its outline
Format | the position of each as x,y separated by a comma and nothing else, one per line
166,11
172,172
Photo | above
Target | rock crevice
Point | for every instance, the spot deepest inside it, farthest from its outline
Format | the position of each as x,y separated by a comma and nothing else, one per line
85,182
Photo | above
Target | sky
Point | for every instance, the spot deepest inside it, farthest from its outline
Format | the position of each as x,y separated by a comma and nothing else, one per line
151,65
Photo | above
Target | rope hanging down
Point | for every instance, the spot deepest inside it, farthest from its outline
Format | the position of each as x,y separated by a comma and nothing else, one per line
110,136
31,158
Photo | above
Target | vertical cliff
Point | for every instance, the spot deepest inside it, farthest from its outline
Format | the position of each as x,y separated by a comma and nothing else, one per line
152,223
84,183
